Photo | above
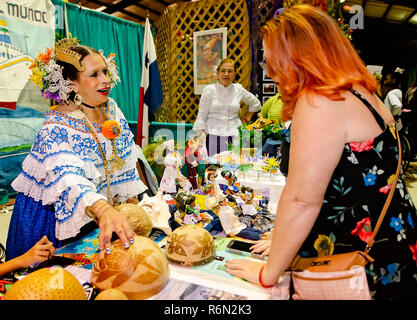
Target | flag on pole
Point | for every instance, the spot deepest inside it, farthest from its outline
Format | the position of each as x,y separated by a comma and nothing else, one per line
150,87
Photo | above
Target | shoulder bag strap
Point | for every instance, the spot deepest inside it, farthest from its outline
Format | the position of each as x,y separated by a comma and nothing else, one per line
389,198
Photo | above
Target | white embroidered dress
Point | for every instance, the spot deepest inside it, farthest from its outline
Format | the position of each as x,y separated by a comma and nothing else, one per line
65,168
173,163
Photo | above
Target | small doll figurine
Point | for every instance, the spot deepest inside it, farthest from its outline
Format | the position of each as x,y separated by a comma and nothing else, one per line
252,215
191,160
192,215
211,176
233,185
187,211
202,157
172,171
212,200
183,184
249,211
231,224
182,200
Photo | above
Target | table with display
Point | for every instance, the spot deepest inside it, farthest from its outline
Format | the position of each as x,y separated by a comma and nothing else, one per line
204,282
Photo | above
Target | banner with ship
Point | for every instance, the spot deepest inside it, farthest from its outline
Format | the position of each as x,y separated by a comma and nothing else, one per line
27,27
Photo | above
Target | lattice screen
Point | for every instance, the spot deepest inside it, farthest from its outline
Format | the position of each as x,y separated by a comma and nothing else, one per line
174,46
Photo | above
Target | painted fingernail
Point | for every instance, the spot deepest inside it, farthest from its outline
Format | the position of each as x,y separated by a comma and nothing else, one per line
108,250
126,245
131,240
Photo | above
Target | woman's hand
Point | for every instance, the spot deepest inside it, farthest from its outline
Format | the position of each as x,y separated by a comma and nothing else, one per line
263,246
244,268
110,220
40,252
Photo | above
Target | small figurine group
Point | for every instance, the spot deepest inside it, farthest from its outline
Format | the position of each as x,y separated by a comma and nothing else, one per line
230,204
188,212
194,158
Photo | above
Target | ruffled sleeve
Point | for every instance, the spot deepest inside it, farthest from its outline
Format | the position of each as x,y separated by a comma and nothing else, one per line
65,168
60,170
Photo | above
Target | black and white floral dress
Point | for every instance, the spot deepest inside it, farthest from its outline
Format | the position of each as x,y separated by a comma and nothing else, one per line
353,201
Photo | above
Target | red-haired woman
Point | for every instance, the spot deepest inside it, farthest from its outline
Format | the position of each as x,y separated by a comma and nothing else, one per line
342,159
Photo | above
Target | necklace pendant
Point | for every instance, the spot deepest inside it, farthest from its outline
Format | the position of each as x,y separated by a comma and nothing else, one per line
117,163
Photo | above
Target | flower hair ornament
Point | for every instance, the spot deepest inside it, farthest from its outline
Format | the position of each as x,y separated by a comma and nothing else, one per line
47,74
112,68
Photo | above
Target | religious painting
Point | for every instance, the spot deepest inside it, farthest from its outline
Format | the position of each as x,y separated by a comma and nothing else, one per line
210,46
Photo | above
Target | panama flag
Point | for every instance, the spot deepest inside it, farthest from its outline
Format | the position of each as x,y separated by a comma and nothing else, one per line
150,87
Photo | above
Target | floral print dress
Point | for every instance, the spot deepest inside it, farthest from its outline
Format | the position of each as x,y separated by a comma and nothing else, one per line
352,204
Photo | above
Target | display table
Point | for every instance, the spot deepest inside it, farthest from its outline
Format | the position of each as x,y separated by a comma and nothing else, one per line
205,282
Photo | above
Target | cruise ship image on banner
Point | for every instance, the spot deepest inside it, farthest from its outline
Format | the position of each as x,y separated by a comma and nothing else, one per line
14,68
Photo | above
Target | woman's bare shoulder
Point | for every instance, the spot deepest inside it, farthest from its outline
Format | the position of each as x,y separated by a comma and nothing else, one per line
313,106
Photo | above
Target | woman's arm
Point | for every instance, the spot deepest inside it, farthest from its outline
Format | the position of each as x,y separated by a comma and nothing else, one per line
318,137
254,105
40,252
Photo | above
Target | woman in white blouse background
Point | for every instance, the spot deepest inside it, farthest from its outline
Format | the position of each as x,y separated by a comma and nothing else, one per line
219,107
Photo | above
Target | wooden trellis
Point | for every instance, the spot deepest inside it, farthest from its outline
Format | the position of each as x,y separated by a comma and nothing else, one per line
174,46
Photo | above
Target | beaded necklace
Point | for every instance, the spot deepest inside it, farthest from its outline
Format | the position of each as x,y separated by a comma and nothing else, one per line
115,160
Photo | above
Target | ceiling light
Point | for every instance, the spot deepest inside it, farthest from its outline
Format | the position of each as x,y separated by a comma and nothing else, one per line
100,9
413,20
399,13
375,9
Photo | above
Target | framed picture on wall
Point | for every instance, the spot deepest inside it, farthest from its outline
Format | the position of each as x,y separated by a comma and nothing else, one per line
210,46
265,98
268,88
264,76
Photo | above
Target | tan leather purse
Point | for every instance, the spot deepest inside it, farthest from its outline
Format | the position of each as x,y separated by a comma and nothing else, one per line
339,276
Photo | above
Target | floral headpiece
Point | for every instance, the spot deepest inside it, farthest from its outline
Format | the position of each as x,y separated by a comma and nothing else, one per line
111,68
47,74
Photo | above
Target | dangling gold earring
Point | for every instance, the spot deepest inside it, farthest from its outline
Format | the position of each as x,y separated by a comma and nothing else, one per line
78,100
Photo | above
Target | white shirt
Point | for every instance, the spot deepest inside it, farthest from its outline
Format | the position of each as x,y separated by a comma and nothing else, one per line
229,221
219,108
393,101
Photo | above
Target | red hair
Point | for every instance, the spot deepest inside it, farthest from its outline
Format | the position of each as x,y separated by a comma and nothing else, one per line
307,52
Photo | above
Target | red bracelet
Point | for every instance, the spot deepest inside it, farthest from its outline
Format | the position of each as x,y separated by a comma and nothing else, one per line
260,278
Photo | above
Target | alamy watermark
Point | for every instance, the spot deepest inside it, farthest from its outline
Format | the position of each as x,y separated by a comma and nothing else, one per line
357,21
179,134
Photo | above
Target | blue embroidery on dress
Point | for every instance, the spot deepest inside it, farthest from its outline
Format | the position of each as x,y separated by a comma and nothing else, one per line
61,212
126,176
82,146
63,135
77,171
59,135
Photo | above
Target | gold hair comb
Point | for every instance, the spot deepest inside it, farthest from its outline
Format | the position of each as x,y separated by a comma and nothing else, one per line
65,54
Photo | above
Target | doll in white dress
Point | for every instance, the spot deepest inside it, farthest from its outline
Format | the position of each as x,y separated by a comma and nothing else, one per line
173,163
